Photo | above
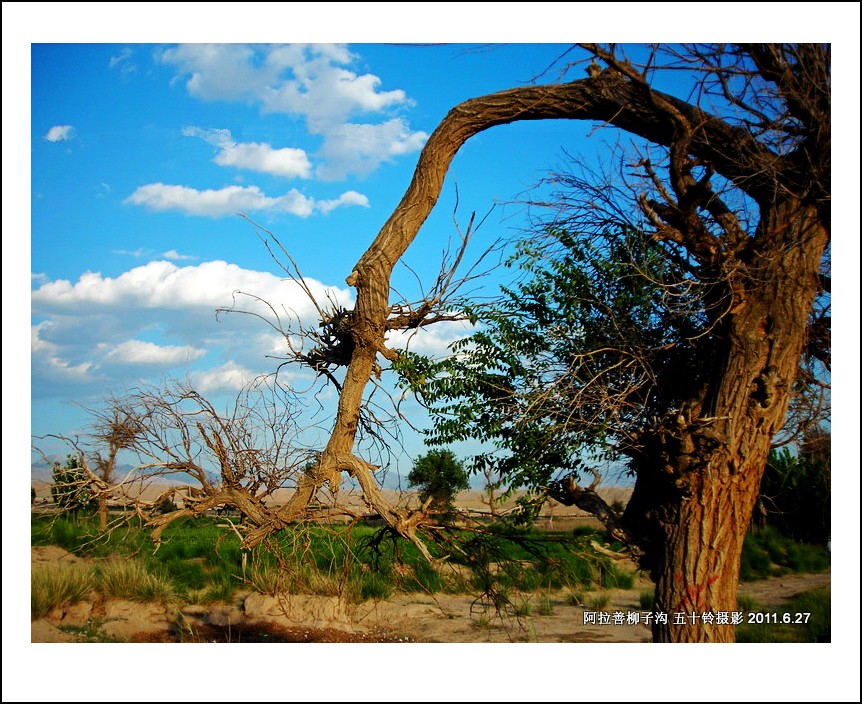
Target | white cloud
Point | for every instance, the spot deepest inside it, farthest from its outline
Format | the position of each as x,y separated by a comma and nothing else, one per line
174,255
301,79
161,284
51,363
286,162
221,71
231,200
141,252
217,203
230,376
60,133
124,55
141,352
360,149
433,340
346,198
123,61
324,92
136,253
311,81
91,336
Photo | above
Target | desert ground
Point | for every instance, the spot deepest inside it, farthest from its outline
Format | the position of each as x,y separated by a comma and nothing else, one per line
406,618
429,618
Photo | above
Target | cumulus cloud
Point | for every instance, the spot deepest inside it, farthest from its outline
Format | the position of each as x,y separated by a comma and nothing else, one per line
229,376
91,338
303,79
360,149
161,284
141,352
221,71
346,198
51,354
60,133
233,199
286,162
311,81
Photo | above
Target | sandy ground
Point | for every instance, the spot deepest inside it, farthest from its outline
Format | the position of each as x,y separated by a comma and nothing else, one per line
437,618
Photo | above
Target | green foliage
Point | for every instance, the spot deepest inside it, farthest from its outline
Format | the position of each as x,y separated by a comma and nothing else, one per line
199,562
439,475
70,488
795,492
646,599
768,553
167,506
815,625
597,337
599,601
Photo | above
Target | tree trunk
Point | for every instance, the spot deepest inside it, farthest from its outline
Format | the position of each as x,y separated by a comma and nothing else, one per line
699,475
103,513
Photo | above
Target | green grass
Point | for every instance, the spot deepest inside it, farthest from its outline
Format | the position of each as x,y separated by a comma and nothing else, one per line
746,603
817,603
599,601
545,607
56,585
90,632
130,579
646,599
198,560
767,553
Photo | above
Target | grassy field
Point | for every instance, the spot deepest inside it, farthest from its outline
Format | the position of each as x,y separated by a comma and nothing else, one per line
200,561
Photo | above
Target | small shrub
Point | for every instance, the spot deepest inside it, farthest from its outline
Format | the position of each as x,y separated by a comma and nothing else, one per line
545,607
576,599
599,601
374,585
52,586
483,620
817,629
428,578
130,579
614,578
768,553
523,607
167,506
746,603
66,534
646,599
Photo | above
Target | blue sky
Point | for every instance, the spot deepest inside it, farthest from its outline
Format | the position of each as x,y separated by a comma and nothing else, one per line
123,191
143,155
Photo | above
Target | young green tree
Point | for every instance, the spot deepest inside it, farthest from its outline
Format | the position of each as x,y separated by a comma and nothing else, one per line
439,476
70,488
796,492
